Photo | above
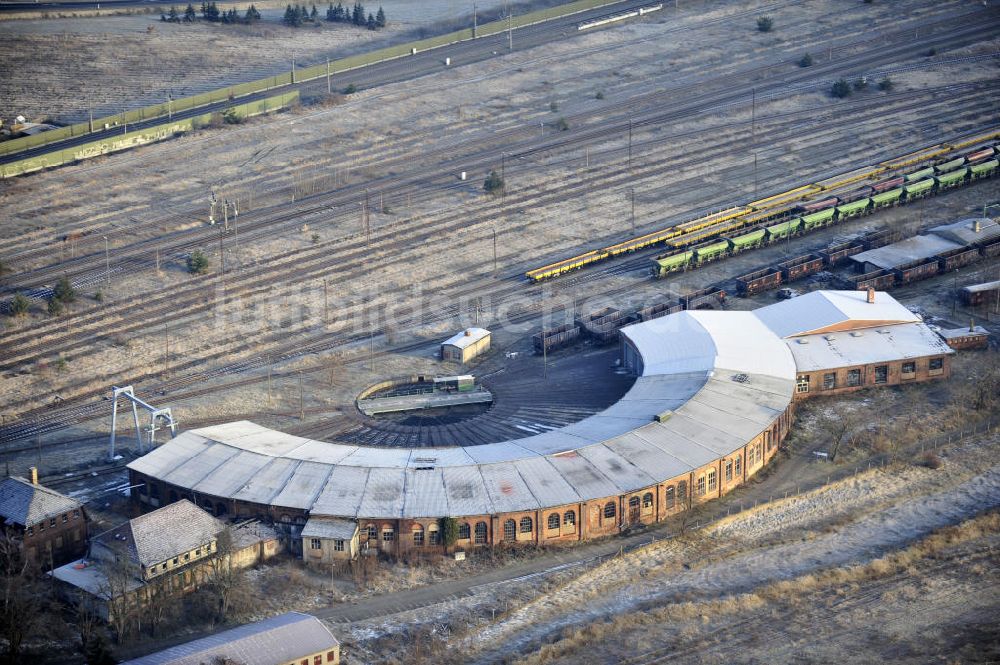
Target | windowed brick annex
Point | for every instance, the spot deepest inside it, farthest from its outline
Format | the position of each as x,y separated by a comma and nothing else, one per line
713,398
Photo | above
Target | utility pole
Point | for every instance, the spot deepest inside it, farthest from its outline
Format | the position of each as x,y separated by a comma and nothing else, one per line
293,70
630,144
329,89
632,191
494,250
326,302
157,260
236,229
270,365
91,113
302,406
503,178
755,176
225,214
753,116
107,263
510,33
166,349
222,256
474,20
170,110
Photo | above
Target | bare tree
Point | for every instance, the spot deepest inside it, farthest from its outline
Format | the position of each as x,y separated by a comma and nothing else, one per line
23,610
840,422
226,580
121,575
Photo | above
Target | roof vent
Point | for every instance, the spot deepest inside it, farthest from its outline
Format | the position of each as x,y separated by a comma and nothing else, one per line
741,378
802,340
468,333
856,333
871,295
663,417
883,332
977,226
829,338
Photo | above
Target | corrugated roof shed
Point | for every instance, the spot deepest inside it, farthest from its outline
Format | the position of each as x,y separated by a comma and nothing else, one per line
968,231
821,310
905,252
164,533
467,337
273,641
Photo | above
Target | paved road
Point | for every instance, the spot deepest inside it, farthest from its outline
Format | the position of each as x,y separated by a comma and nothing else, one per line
379,74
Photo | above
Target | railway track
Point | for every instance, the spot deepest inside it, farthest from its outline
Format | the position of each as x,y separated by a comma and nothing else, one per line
521,141
249,365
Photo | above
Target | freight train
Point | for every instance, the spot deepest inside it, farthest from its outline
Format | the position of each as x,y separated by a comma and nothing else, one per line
752,217
719,240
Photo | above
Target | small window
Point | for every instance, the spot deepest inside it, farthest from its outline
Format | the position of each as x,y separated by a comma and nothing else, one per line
647,500
76,514
187,557
609,509
41,526
481,531
418,536
671,497
388,535
936,363
315,544
829,381
163,566
682,492
881,374
909,368
633,502
65,519
854,377
554,521
31,531
433,536
464,531
197,552
318,660
526,524
802,384
701,485
176,561
569,519
712,481
338,546
331,656
737,463
729,470
509,530
52,522
372,532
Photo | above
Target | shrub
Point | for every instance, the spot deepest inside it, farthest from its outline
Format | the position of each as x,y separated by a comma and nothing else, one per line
562,125
765,23
55,307
931,52
315,238
860,83
350,89
931,460
885,84
841,89
553,106
99,296
599,95
197,263
61,364
806,61
19,305
64,291
449,530
231,117
494,184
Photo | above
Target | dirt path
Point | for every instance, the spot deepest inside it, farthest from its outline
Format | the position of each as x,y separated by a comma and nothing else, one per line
648,577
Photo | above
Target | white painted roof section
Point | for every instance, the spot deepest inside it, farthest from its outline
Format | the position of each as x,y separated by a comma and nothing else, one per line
819,310
467,337
863,347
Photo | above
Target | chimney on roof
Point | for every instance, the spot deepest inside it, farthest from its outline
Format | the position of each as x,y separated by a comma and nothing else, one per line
871,295
468,333
33,472
977,226
972,324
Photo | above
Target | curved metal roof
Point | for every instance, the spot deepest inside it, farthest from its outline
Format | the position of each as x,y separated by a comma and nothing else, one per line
723,376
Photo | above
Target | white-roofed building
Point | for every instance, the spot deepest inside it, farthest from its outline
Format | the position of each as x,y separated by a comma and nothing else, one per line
466,345
712,399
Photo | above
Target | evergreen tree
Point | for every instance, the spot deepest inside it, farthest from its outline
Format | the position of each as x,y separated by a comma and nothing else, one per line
313,14
213,12
358,16
289,18
19,306
63,291
339,13
189,13
380,18
172,15
370,23
163,17
329,12
252,15
204,9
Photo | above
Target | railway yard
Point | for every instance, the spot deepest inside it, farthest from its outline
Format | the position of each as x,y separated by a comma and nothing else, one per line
682,158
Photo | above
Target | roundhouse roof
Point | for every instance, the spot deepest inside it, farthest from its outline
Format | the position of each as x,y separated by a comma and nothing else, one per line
711,382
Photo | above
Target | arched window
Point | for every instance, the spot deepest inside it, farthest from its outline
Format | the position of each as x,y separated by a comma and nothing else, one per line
633,502
682,492
526,525
433,536
569,519
481,533
464,531
418,535
554,521
609,509
509,530
670,497
372,532
647,500
388,534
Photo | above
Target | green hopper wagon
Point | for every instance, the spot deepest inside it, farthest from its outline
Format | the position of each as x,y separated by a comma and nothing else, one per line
985,169
919,175
853,208
888,198
711,252
919,189
950,165
784,229
748,240
953,179
671,263
815,219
